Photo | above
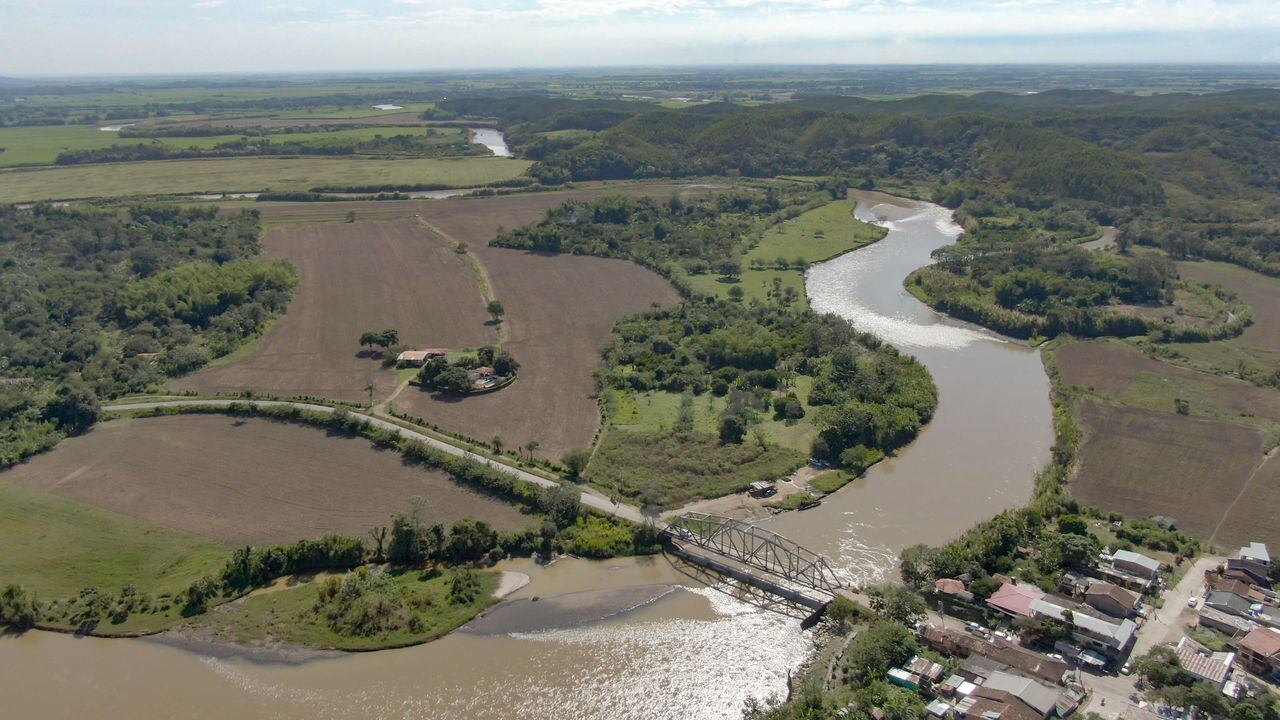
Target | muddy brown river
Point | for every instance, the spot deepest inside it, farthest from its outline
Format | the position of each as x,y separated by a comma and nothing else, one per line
631,638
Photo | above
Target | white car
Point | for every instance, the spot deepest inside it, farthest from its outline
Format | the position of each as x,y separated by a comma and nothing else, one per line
1127,669
1192,601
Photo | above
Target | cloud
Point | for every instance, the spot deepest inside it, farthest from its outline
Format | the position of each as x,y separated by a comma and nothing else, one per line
133,36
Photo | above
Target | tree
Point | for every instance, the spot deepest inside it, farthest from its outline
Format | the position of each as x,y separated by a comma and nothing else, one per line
732,429
17,608
880,647
530,447
842,612
915,565
736,293
1073,525
897,604
379,537
496,442
351,216
496,310
74,407
575,461
729,268
562,505
684,415
369,338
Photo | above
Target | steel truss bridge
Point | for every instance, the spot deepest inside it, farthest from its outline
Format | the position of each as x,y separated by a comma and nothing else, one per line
752,563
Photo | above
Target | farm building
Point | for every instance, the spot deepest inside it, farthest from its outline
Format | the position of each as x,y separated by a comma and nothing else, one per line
418,358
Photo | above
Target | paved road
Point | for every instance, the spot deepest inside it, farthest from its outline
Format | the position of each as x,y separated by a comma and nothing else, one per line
590,499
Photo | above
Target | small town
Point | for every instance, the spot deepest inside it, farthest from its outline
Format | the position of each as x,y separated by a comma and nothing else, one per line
1131,638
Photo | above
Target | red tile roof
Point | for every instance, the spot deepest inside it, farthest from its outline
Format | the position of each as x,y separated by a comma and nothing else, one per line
1016,599
1262,641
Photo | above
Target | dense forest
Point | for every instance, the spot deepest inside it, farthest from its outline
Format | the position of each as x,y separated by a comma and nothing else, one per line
98,304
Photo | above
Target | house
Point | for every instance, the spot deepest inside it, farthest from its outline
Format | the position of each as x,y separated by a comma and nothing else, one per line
956,685
1251,563
1135,564
1260,652
1206,665
1015,600
1002,654
1233,625
418,358
1240,588
980,708
1039,698
1074,584
953,588
1111,599
1106,636
939,709
1229,602
904,679
928,671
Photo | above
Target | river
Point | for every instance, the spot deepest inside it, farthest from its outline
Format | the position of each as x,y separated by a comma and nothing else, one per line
492,139
686,651
991,433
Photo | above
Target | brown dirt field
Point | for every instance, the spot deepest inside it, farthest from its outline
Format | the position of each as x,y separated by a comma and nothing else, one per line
248,481
1254,515
1261,340
354,277
1142,463
1117,370
560,310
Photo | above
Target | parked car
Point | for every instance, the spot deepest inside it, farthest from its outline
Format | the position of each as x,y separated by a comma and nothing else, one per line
1126,669
1192,601
975,628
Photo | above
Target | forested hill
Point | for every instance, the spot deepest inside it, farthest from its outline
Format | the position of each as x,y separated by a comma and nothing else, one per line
1198,175
801,141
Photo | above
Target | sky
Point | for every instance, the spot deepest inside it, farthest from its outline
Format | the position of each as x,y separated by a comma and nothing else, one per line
58,37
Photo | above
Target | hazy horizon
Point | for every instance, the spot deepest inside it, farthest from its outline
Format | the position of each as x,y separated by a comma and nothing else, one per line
212,37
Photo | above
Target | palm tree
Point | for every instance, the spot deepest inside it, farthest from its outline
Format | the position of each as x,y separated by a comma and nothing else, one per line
530,447
496,442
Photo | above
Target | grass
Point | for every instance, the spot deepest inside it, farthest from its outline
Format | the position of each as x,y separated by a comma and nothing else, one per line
830,481
794,501
245,175
41,145
817,235
814,236
55,547
291,616
656,411
667,470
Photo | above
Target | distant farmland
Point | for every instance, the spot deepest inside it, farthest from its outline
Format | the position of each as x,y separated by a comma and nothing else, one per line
354,277
220,175
248,482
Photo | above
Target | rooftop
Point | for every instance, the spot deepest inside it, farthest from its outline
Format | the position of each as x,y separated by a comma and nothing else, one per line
1037,695
1116,634
1015,599
1125,598
1256,551
1203,662
1151,564
1262,641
